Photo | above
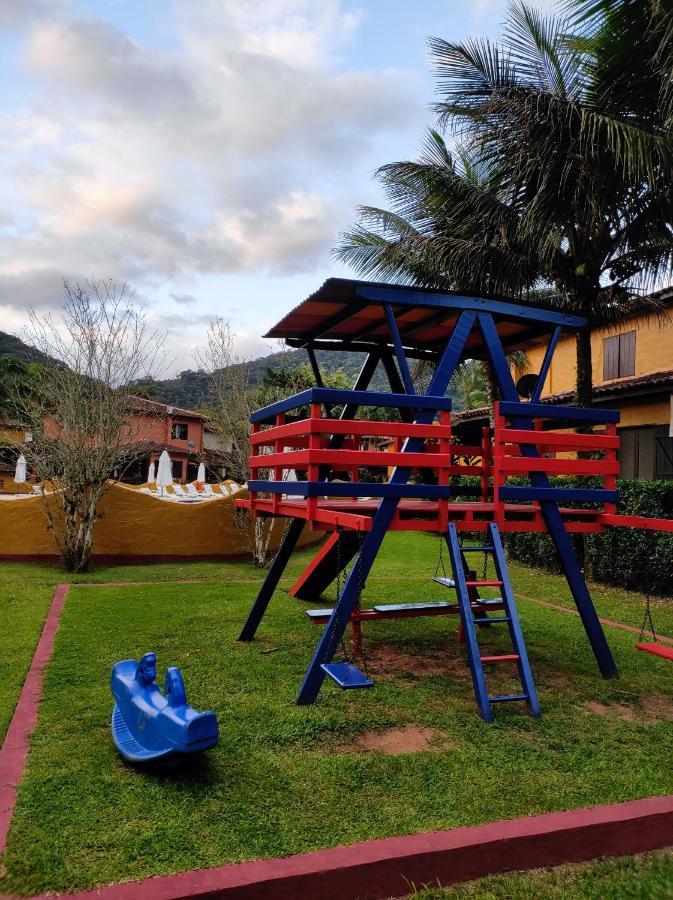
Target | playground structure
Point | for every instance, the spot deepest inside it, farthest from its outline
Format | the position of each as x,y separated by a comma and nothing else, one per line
316,434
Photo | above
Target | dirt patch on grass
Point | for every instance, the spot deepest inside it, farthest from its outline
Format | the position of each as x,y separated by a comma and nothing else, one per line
388,661
409,739
620,710
650,708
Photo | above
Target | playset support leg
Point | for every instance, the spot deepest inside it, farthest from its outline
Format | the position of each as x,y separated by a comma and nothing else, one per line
350,593
551,514
270,583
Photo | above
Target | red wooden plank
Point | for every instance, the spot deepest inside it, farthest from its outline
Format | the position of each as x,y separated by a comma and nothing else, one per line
637,522
596,441
505,657
560,466
359,427
344,458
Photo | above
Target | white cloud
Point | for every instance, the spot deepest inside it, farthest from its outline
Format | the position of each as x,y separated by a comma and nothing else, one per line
232,152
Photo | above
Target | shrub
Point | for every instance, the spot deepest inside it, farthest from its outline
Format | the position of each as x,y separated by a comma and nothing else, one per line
625,557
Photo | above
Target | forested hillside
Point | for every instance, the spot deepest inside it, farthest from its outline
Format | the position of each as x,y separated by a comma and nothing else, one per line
10,345
190,388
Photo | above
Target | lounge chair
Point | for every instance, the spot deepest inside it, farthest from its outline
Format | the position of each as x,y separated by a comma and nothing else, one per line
192,491
182,495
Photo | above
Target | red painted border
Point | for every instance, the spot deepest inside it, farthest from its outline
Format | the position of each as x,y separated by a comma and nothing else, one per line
14,750
391,866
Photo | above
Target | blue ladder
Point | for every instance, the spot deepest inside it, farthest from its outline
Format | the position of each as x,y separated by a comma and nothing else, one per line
470,620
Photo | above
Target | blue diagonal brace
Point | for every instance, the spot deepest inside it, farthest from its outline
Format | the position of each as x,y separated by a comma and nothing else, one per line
270,583
371,544
550,511
399,350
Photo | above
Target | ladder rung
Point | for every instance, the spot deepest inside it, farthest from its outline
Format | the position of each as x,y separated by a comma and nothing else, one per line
477,549
506,657
504,698
483,583
483,619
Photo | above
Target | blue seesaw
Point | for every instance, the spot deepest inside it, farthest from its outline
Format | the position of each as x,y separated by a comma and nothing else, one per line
146,725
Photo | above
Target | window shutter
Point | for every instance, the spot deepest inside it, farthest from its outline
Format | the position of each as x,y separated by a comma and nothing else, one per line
611,358
627,354
628,452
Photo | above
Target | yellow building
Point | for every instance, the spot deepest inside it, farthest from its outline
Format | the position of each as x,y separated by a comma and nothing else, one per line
11,434
632,365
632,371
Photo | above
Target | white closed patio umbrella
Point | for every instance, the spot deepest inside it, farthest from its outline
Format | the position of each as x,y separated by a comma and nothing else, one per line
20,471
164,472
201,474
151,473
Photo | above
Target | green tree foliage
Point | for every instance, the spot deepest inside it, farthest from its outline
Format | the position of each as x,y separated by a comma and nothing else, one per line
558,185
469,385
18,378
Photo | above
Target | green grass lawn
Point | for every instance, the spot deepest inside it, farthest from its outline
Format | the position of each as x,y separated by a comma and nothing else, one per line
286,779
649,875
22,612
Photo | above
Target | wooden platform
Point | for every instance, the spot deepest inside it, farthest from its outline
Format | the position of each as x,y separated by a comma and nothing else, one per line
422,515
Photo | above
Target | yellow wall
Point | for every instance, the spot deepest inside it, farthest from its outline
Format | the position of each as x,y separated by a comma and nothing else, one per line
654,351
136,525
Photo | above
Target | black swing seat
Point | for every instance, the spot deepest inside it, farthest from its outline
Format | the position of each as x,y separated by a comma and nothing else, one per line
346,675
656,649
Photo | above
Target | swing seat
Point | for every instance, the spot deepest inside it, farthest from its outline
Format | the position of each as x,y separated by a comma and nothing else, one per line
346,675
409,607
656,649
445,582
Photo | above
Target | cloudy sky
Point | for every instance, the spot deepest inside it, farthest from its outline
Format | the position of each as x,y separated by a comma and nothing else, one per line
208,152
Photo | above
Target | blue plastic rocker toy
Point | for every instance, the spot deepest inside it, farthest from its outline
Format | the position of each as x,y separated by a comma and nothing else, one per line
146,725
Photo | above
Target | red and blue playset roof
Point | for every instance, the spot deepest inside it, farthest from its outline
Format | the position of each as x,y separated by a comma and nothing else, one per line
347,314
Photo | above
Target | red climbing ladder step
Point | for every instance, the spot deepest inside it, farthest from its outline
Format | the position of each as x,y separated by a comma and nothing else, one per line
505,657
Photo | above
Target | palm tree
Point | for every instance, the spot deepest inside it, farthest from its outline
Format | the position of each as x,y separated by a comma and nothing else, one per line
468,385
560,180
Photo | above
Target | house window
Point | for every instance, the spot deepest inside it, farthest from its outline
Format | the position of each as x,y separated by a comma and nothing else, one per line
179,431
663,460
619,355
176,468
638,452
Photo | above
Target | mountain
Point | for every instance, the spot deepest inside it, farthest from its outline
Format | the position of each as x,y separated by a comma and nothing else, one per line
10,345
190,388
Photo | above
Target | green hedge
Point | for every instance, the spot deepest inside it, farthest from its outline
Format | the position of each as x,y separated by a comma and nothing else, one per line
626,557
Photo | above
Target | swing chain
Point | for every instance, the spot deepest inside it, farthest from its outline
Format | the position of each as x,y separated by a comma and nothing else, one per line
648,618
440,560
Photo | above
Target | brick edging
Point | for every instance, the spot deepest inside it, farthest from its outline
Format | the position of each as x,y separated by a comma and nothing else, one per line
14,749
391,867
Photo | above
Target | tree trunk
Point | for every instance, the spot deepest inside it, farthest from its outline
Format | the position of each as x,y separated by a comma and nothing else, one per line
490,390
584,383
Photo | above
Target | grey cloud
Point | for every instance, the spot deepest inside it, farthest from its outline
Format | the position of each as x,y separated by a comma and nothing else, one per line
184,299
220,156
34,289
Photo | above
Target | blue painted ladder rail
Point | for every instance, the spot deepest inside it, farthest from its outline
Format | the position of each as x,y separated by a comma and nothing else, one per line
510,616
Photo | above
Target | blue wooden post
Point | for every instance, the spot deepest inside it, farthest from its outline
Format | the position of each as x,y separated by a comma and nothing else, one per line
371,544
550,512
270,583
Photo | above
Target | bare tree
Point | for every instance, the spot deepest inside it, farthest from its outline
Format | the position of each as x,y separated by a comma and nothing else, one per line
78,410
230,414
